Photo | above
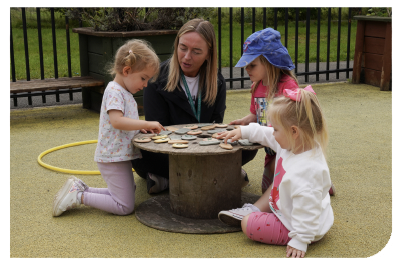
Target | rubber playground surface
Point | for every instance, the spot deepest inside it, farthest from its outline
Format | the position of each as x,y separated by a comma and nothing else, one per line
359,156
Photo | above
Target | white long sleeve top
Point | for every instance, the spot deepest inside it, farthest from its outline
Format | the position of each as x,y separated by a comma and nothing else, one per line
299,196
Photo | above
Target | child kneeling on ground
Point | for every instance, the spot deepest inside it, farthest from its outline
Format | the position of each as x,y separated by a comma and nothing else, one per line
135,64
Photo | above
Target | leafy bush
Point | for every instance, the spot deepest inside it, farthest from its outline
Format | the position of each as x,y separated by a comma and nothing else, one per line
379,11
135,19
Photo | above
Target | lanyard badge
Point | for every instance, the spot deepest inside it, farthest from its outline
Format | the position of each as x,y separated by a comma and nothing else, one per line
191,102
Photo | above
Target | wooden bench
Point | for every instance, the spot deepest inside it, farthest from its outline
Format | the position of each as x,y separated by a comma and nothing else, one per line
56,84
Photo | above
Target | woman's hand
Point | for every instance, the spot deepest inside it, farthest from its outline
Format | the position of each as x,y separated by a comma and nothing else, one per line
295,253
245,120
233,135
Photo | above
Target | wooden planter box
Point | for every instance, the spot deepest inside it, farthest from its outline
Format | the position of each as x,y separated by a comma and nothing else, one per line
372,63
99,48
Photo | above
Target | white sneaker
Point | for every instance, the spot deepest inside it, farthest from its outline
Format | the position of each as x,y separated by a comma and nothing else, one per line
66,198
85,186
233,217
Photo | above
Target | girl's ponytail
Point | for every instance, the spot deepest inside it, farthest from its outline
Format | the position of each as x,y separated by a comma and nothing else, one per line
312,117
301,108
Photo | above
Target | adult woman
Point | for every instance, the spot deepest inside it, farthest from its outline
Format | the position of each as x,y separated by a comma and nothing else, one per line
189,89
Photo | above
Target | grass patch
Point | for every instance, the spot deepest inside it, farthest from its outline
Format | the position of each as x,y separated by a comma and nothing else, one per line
61,47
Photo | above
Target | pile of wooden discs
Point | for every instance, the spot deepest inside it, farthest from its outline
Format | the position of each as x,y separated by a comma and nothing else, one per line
180,137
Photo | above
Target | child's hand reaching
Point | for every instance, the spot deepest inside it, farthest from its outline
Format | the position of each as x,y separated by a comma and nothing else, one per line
295,253
233,135
153,127
245,120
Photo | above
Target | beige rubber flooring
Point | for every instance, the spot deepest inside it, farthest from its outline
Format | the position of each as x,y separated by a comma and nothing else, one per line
359,157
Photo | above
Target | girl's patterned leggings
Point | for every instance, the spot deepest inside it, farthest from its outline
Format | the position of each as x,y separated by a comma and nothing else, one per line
267,228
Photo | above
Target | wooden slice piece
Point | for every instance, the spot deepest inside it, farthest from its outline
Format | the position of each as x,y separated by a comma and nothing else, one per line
177,141
211,142
157,137
180,145
142,140
188,137
191,126
213,131
245,142
171,128
210,139
194,132
208,127
231,143
226,146
165,132
162,140
181,131
175,137
221,125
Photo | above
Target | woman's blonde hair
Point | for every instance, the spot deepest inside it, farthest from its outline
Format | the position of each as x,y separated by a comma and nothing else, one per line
306,114
273,77
138,55
208,70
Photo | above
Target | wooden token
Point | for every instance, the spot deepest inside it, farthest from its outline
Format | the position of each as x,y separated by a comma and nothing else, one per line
215,136
191,126
188,137
142,140
210,139
177,141
245,142
180,145
204,124
211,142
165,132
226,146
194,132
162,140
236,127
175,137
231,142
157,137
171,128
181,131
213,131
208,127
221,125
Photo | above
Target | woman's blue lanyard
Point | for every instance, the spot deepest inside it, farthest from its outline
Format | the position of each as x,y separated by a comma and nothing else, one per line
191,102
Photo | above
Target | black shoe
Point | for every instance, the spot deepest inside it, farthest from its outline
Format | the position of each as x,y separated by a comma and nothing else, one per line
156,184
244,178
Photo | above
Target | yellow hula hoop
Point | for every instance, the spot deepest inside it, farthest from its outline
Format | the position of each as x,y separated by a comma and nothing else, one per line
63,170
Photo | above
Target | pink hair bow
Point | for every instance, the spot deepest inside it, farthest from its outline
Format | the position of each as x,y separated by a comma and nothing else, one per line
293,94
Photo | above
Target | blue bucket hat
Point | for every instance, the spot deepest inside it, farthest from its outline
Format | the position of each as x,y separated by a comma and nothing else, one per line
266,42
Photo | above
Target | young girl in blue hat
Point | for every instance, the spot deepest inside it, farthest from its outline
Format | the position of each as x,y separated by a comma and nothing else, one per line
296,210
269,66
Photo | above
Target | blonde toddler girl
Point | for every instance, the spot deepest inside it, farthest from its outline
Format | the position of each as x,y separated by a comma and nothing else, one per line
135,64
296,209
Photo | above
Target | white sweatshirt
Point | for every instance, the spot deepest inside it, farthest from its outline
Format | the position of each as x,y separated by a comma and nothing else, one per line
299,196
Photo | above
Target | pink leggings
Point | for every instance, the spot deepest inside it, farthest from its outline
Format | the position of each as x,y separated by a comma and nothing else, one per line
119,197
267,228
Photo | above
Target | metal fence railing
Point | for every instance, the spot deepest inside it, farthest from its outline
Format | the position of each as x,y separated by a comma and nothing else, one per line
230,74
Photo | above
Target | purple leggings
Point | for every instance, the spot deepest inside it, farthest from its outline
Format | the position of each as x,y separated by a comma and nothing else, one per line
119,197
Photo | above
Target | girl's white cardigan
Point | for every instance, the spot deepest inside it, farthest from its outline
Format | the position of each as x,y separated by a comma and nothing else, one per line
304,202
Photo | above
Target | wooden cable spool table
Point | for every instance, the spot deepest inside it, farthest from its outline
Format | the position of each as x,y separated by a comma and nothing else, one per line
203,180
